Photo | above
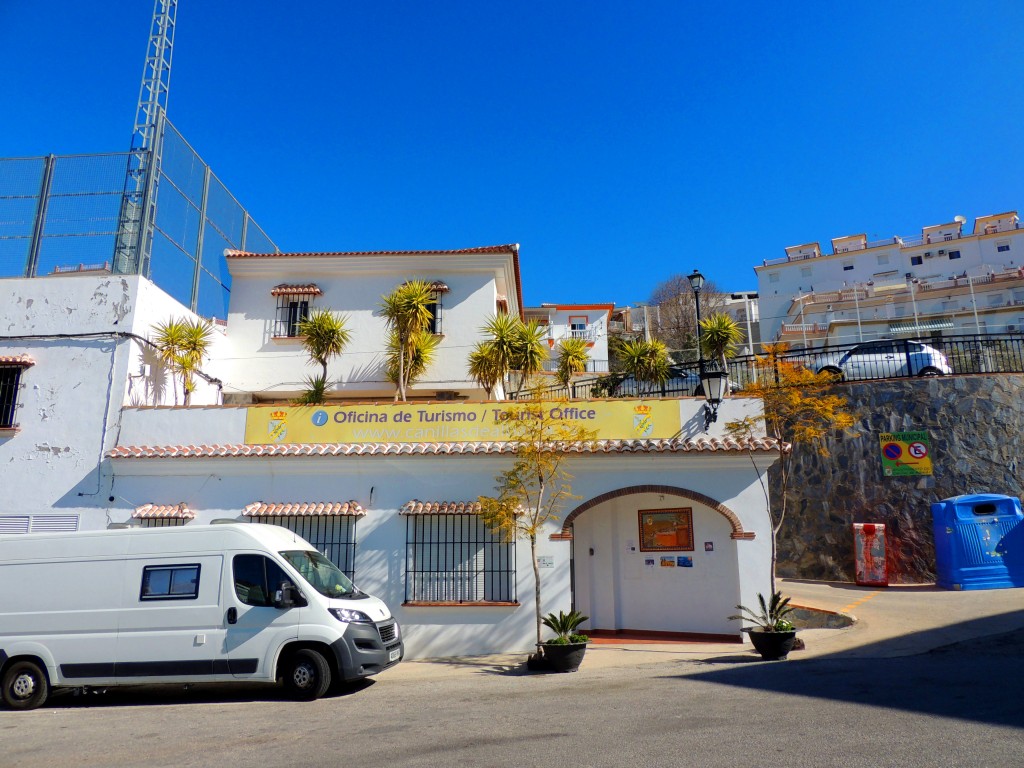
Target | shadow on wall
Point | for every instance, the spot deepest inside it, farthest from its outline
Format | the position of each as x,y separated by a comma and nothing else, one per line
976,680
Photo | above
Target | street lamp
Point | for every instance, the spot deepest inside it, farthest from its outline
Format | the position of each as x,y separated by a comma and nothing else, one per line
712,383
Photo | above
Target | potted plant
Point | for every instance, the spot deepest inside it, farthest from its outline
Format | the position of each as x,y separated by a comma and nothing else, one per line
773,634
564,652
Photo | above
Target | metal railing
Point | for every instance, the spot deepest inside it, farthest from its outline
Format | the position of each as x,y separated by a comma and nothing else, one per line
867,361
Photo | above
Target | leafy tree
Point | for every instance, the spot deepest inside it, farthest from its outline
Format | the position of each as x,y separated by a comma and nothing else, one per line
531,492
645,361
421,352
798,406
324,336
572,359
183,345
720,336
407,312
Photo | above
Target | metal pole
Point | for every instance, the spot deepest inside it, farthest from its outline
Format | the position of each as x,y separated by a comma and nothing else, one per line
913,300
856,303
974,303
700,347
39,223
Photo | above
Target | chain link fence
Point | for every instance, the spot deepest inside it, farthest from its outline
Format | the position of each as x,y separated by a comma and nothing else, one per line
63,213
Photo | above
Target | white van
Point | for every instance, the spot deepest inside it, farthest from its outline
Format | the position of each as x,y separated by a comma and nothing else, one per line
199,603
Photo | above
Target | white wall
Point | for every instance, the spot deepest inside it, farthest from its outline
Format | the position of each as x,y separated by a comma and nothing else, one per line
279,367
79,330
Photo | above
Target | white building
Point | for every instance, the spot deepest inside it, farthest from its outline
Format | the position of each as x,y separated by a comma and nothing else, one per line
669,533
943,281
575,321
271,292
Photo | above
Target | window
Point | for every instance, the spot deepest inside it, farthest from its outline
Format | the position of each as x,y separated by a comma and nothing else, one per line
916,260
947,236
578,327
334,535
995,299
457,559
435,315
954,254
10,383
293,303
1002,247
257,578
438,288
290,312
170,582
847,266
883,258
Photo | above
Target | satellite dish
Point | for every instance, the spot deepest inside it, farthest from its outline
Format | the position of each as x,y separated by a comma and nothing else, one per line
960,219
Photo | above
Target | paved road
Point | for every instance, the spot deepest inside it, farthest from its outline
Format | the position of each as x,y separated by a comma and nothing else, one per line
856,697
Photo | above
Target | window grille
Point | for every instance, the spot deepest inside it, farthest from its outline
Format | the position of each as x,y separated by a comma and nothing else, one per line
162,522
333,535
292,309
10,378
435,314
457,559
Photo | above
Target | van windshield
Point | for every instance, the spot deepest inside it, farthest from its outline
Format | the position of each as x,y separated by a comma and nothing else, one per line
323,575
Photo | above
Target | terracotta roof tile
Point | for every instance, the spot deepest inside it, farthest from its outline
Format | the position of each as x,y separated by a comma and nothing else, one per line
164,511
309,289
417,507
23,360
670,445
235,254
304,509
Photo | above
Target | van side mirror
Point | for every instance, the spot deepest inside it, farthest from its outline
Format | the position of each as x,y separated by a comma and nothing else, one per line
286,596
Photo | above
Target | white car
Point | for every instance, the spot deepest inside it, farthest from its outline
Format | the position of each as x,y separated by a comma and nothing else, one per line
884,359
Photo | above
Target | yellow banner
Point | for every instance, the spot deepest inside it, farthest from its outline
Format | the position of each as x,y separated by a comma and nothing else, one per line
450,422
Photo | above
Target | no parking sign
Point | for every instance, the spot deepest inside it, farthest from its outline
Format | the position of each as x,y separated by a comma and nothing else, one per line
906,454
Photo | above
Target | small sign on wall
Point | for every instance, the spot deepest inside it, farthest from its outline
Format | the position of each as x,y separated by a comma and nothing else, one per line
545,561
905,454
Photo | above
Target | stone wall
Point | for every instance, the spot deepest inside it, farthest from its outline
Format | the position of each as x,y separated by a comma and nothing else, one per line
976,426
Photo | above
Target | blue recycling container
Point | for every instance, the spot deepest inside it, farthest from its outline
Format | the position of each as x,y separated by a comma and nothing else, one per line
979,542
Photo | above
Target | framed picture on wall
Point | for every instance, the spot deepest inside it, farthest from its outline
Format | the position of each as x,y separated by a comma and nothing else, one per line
666,530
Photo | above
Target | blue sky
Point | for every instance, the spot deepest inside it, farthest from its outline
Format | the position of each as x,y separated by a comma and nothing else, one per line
618,143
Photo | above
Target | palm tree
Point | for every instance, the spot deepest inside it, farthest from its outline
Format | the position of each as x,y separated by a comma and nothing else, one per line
324,336
531,351
646,361
423,346
572,359
484,368
182,345
720,336
407,312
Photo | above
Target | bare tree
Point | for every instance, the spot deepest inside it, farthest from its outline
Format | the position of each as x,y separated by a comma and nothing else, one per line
673,315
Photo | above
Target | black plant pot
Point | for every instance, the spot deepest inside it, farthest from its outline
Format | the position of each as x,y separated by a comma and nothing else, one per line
564,658
773,646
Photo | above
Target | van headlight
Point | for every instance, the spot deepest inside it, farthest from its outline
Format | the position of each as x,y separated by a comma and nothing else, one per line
350,616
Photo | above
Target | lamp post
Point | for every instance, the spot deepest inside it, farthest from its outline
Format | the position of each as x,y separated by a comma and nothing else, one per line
712,383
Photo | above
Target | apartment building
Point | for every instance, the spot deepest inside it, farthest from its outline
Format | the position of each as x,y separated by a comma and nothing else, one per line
944,281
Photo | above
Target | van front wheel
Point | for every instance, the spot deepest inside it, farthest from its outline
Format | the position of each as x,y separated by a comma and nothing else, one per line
25,685
307,675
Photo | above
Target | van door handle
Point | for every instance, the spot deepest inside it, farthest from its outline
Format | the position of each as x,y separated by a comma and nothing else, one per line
232,615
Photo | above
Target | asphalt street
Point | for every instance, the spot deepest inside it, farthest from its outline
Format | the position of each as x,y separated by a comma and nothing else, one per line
944,691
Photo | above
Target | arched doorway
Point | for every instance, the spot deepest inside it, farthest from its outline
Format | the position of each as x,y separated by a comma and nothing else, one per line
656,559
